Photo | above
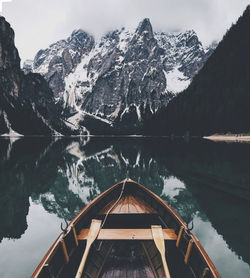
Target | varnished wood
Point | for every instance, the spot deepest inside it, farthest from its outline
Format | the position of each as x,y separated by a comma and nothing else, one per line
65,252
75,235
128,205
138,192
127,234
203,253
149,260
104,260
132,207
76,219
92,235
206,258
121,264
179,236
160,244
190,244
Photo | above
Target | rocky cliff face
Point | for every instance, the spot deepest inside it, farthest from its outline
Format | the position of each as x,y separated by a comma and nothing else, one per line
183,58
27,103
122,78
217,101
57,61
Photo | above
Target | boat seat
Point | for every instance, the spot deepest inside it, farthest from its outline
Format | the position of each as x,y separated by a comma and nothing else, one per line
127,234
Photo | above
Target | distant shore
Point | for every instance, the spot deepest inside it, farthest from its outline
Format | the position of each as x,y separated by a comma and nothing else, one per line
229,137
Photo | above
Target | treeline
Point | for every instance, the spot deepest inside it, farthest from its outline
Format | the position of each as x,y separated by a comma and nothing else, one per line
218,99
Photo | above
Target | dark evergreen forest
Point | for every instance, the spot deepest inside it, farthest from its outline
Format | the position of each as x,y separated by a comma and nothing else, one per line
218,99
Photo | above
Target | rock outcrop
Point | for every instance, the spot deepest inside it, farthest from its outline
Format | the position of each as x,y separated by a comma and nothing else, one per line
123,78
27,104
217,101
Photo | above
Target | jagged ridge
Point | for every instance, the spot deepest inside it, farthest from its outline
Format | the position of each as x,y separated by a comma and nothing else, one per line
27,104
124,77
217,101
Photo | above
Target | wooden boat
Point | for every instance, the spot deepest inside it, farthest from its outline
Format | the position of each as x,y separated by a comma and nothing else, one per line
127,231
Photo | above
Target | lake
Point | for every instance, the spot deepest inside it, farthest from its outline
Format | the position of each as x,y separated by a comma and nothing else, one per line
44,181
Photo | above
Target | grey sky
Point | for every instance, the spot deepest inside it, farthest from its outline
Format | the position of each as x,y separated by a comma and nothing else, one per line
38,23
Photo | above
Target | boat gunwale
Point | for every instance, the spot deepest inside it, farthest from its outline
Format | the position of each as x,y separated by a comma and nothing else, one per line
180,220
78,217
75,220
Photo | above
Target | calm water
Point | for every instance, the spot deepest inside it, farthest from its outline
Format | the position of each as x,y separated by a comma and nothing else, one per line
43,181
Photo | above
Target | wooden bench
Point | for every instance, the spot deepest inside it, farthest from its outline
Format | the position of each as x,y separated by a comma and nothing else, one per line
127,234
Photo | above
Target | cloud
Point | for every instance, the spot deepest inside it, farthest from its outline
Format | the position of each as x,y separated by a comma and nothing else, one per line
42,22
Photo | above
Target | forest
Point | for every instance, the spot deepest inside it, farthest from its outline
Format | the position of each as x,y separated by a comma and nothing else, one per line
217,100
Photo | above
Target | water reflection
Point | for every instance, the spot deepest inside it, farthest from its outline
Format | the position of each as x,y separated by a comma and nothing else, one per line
204,182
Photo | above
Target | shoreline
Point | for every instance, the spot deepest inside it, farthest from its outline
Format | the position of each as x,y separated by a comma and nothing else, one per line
229,138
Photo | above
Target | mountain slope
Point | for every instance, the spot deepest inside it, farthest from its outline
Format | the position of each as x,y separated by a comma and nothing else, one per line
218,98
124,77
27,103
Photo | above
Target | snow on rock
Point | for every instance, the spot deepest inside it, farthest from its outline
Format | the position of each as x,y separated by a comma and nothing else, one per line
28,66
122,76
11,133
176,81
77,83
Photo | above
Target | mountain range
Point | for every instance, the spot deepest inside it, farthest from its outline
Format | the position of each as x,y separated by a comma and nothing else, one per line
114,84
128,82
26,101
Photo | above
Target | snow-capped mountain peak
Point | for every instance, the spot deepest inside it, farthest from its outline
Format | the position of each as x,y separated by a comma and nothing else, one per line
124,76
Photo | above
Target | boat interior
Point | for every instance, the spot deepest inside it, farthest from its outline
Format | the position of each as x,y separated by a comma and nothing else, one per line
125,245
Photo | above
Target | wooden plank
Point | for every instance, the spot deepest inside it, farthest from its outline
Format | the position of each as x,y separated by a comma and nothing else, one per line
109,195
118,207
107,207
158,236
132,208
149,260
190,244
145,206
128,204
75,236
138,204
105,259
124,208
179,236
127,234
65,252
92,235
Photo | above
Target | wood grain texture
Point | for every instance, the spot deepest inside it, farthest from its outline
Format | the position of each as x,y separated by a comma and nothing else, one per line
160,244
65,252
127,259
128,205
127,234
92,235
134,205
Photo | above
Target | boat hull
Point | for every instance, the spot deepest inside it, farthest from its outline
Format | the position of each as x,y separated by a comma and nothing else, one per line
125,245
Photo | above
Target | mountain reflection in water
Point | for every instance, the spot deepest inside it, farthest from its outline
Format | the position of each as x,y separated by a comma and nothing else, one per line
205,182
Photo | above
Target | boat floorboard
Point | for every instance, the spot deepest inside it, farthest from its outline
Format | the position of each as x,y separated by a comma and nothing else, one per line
127,260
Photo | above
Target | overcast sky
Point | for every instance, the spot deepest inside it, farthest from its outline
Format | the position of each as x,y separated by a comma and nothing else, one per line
38,23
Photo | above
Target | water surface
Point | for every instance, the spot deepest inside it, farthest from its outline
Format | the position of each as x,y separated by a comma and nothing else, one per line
43,181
